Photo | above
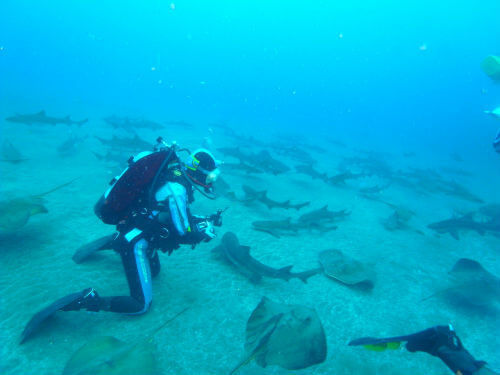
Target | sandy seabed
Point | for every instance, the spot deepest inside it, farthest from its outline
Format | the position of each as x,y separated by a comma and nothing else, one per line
36,269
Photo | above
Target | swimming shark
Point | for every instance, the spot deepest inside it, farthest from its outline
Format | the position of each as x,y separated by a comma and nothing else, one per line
239,256
276,227
263,160
261,196
42,118
308,170
454,225
322,216
341,178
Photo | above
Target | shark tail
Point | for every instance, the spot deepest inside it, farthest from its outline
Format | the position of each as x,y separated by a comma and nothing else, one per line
56,188
303,276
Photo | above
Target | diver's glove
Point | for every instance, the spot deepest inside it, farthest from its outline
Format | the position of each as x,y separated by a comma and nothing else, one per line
443,342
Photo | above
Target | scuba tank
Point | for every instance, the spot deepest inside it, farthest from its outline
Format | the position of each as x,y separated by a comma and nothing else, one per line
135,184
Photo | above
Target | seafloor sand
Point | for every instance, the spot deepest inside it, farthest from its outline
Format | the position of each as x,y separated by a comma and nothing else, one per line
36,268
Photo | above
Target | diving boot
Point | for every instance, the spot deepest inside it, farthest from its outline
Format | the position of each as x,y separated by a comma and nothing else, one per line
89,299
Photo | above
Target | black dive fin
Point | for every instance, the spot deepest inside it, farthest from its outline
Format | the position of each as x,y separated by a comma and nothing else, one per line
87,250
41,316
378,341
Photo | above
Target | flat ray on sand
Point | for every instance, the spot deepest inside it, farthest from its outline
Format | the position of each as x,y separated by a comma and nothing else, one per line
15,213
289,336
346,270
10,154
109,356
471,286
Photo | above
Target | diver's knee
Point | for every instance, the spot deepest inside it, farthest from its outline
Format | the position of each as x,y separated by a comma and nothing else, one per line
144,310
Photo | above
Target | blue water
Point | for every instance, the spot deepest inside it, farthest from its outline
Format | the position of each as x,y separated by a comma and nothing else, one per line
378,75
352,66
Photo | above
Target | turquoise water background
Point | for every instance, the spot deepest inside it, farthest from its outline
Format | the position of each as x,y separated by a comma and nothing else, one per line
398,81
361,68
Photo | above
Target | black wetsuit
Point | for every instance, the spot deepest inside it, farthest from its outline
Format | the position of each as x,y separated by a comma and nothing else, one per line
164,227
443,342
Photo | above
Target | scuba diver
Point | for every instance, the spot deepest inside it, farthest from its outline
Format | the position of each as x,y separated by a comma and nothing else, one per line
438,341
149,204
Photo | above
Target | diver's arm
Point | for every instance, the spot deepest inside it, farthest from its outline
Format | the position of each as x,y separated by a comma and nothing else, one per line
190,229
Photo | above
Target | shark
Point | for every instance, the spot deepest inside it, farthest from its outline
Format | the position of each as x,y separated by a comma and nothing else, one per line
261,196
276,227
266,162
239,256
311,172
454,225
341,178
322,215
42,118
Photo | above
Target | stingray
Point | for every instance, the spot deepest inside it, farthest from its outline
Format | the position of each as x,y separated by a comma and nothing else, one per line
15,213
109,356
471,286
289,336
346,270
10,154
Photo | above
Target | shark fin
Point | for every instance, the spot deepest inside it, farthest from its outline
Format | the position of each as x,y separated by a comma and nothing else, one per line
286,272
286,269
454,234
41,113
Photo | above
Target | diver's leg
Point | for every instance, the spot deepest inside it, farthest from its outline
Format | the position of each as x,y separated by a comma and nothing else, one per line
137,268
138,272
154,262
